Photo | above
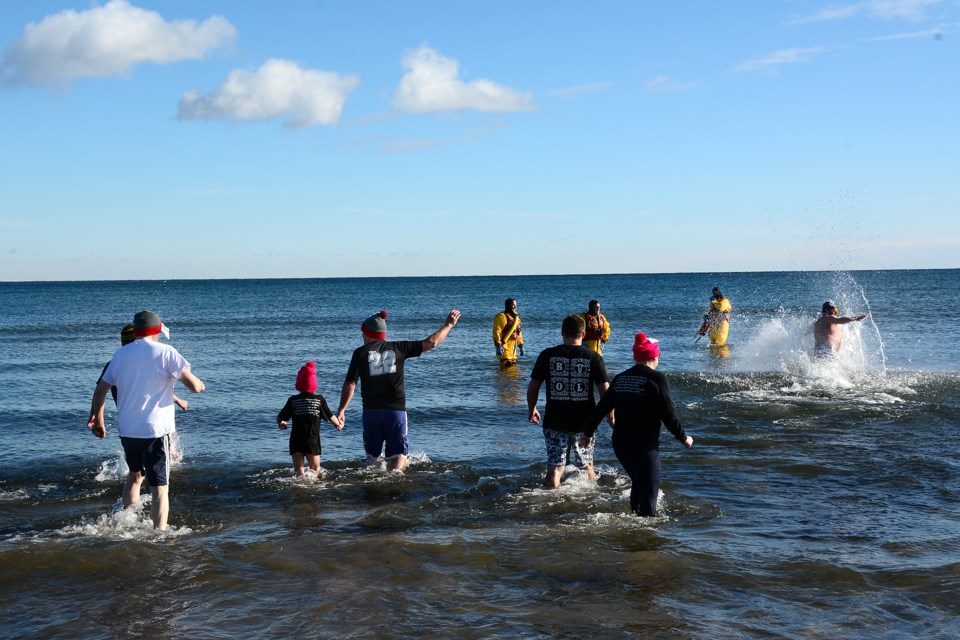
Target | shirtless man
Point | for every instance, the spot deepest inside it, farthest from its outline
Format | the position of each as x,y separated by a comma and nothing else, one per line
827,334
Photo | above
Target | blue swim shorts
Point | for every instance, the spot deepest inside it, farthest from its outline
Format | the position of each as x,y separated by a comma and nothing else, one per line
382,426
149,456
563,447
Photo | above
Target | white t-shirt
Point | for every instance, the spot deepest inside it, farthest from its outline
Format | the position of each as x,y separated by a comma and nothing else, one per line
144,373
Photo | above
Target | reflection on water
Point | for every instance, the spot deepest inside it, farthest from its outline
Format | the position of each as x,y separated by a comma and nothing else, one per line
511,386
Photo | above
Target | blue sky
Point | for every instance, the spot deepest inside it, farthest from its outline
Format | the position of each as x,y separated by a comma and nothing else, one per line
220,139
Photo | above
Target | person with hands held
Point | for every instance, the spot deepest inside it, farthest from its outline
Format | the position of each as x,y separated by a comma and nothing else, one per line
377,366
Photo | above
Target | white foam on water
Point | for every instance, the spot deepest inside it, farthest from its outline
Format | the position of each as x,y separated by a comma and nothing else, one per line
14,496
113,469
133,523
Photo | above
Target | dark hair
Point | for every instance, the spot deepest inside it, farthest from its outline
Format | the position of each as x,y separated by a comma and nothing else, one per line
508,305
593,303
717,293
573,326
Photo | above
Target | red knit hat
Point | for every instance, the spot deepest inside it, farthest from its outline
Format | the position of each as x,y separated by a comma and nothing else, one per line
645,349
307,378
375,326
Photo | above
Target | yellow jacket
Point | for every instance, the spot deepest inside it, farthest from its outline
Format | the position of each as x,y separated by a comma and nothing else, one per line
507,333
597,332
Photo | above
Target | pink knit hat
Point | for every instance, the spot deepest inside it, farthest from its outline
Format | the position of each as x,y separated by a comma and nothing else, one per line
645,349
307,378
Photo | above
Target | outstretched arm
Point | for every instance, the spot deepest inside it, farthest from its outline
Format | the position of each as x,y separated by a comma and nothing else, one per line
440,334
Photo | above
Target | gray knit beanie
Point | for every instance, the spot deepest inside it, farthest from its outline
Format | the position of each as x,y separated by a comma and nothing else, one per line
375,326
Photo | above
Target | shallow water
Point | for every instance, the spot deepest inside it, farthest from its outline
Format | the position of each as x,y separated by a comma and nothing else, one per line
817,501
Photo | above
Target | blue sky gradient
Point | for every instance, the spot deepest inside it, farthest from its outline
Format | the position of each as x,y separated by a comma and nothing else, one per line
214,139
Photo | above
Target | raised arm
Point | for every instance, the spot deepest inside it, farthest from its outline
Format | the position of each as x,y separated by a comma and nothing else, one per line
440,334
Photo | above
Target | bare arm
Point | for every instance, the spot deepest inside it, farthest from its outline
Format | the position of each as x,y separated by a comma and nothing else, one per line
346,395
440,334
95,421
191,382
533,394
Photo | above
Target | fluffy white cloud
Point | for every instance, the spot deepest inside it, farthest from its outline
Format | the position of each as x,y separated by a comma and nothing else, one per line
105,41
278,89
431,84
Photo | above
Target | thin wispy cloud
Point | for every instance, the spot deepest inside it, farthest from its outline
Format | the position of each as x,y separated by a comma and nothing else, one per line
936,34
909,10
432,84
580,89
665,84
280,89
777,58
107,41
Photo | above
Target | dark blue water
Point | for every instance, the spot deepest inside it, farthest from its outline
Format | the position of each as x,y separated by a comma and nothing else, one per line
818,500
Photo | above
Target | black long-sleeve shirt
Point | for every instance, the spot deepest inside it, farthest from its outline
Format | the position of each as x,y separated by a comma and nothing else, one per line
641,399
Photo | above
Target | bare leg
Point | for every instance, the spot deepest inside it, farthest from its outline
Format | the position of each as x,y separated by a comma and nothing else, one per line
160,506
298,464
552,479
399,463
590,472
131,489
314,462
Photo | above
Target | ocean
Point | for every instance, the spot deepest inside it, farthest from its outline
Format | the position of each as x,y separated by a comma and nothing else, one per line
818,500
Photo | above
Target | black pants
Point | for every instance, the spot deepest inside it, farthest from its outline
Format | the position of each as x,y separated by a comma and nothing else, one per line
641,461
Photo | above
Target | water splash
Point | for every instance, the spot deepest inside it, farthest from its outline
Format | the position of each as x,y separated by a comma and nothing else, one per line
113,469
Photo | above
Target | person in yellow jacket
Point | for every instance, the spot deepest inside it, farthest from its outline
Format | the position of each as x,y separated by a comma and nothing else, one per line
507,336
598,329
717,318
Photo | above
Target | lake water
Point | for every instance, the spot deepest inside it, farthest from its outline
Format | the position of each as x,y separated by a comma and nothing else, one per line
818,501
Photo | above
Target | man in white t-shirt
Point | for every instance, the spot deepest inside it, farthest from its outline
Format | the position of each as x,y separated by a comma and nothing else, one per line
144,373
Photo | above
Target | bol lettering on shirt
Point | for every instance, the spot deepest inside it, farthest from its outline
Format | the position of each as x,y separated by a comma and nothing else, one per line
570,372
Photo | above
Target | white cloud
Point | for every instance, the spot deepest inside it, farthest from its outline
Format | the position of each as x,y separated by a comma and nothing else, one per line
278,89
910,10
783,56
431,84
664,84
106,41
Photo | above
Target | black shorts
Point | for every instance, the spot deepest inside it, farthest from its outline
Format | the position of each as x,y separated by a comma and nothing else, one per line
149,456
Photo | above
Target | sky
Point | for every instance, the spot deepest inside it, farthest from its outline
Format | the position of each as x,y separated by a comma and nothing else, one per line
221,139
